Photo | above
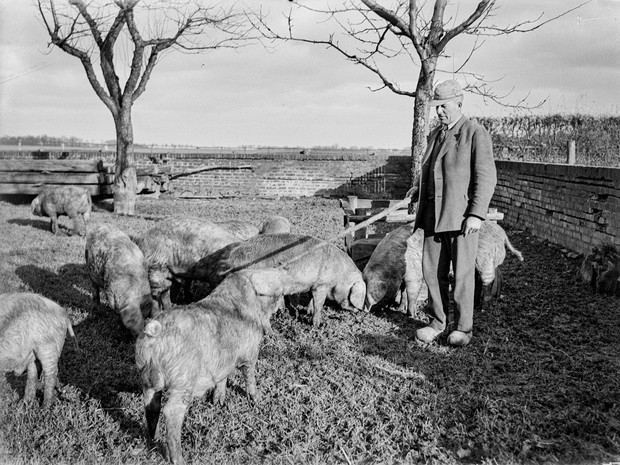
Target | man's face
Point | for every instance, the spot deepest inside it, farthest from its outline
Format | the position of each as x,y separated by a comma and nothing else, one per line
449,112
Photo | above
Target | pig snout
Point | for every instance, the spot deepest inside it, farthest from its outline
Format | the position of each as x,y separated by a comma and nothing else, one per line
357,296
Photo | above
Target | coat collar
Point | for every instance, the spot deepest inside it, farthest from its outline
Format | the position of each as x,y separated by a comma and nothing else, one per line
455,131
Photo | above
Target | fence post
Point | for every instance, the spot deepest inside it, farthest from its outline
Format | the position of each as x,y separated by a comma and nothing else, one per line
572,153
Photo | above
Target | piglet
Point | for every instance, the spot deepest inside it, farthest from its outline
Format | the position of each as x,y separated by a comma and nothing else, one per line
117,267
325,270
72,201
32,328
190,350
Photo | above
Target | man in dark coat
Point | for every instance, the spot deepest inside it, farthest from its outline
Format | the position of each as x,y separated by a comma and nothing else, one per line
457,181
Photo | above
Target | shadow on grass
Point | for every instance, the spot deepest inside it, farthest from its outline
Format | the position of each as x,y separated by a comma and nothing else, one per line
103,204
68,287
42,224
103,368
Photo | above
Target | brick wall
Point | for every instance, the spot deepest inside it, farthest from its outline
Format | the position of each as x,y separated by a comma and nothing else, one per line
573,206
271,174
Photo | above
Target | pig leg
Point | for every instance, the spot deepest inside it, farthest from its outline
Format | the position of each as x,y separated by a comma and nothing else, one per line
152,407
132,320
31,383
174,412
164,299
75,225
81,228
412,291
219,394
319,295
248,369
96,296
49,362
157,306
53,223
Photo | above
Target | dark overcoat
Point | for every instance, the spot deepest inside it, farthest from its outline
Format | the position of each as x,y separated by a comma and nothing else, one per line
465,176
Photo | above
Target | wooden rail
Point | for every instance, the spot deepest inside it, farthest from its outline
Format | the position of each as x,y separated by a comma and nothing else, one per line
358,215
33,176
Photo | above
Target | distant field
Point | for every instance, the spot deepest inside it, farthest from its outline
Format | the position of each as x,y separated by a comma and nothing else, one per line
187,149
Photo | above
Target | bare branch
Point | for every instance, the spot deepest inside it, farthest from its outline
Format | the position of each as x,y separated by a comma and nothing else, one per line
483,8
523,26
488,94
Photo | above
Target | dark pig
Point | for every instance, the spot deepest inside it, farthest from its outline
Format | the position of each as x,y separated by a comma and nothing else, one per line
175,244
117,267
193,349
32,328
324,269
74,202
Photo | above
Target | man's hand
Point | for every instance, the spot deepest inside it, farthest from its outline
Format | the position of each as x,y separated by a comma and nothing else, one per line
413,193
471,225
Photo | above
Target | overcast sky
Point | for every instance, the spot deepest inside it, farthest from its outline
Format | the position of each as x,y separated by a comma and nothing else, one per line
295,94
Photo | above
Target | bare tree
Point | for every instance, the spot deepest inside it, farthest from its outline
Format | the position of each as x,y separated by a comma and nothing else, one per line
96,30
371,35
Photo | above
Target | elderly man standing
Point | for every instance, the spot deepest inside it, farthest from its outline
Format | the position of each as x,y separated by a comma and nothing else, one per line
457,182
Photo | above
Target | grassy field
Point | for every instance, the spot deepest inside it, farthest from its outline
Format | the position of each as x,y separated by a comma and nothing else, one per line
540,382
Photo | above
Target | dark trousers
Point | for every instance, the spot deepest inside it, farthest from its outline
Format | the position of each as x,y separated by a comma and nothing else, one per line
440,251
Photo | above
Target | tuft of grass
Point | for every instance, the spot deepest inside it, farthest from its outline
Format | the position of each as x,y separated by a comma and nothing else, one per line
538,383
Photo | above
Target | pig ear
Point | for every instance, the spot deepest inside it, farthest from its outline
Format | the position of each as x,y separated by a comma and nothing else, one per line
357,295
152,328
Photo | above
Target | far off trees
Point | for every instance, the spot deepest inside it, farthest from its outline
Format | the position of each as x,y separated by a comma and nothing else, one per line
403,43
119,43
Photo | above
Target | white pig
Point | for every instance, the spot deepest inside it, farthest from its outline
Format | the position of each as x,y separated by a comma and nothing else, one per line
396,260
117,267
32,327
324,269
191,350
72,201
275,225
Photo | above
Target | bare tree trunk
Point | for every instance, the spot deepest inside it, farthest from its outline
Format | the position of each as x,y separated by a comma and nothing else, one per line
421,113
125,179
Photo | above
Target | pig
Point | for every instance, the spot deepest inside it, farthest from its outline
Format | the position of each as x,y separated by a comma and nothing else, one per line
242,229
275,225
193,349
492,244
72,201
32,327
172,246
396,261
608,282
117,267
604,259
325,270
